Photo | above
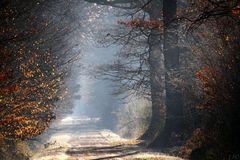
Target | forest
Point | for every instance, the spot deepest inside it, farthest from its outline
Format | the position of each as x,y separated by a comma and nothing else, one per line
119,79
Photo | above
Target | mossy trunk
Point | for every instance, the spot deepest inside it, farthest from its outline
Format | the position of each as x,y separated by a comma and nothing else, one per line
174,101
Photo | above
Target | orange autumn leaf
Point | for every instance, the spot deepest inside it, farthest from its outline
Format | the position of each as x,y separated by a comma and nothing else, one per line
236,10
146,24
204,75
3,77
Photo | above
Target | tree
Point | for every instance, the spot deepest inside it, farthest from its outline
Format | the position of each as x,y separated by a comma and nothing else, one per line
157,70
159,60
33,70
215,27
157,79
174,99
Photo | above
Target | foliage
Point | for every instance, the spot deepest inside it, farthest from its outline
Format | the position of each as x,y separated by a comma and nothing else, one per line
32,70
27,95
217,48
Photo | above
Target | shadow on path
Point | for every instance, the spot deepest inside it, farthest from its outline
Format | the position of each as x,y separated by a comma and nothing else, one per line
81,139
106,152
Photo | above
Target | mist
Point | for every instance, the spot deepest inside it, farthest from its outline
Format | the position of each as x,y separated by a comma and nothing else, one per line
119,79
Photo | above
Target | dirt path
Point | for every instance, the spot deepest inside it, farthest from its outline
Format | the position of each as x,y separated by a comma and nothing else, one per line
78,139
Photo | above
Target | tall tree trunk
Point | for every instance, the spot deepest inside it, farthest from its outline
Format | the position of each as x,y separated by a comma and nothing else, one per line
166,121
157,80
174,102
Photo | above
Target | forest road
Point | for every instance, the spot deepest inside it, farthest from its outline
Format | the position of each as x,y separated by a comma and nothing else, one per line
82,139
